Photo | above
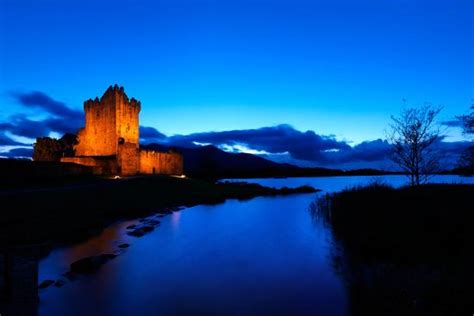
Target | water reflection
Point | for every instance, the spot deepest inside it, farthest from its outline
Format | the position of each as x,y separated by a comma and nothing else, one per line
334,184
256,257
262,256
175,220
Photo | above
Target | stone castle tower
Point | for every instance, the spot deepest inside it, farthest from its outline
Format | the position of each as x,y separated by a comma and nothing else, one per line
110,141
110,122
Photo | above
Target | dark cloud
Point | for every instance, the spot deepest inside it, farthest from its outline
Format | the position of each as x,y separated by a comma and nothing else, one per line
273,140
453,123
307,146
21,125
5,140
368,151
18,153
40,100
304,148
60,118
150,134
450,151
379,151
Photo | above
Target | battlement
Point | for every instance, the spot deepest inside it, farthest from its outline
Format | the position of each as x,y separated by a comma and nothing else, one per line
112,93
152,162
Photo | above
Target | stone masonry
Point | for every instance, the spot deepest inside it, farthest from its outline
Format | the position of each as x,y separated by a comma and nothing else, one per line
110,141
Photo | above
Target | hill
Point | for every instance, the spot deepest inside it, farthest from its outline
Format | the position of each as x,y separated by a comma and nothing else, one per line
212,162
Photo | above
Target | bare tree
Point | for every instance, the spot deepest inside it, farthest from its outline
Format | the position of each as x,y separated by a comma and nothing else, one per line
468,121
466,160
51,149
412,135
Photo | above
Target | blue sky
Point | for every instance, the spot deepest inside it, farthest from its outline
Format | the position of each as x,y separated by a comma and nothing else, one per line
333,67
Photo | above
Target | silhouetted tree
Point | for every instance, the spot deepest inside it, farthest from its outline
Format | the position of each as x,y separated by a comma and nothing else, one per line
467,158
468,121
47,149
51,149
68,141
412,135
466,161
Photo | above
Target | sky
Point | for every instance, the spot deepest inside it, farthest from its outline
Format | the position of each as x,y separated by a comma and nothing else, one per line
336,69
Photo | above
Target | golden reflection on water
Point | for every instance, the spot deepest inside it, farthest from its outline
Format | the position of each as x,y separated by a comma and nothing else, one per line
175,217
102,243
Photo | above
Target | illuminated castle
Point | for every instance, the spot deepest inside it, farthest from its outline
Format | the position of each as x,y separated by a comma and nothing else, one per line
110,141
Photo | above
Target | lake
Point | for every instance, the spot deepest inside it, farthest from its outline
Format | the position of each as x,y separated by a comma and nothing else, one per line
261,256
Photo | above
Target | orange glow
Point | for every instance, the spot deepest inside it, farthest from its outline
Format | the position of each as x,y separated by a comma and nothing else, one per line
110,140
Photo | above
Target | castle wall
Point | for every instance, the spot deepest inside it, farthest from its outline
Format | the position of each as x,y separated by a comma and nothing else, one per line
128,159
100,165
127,119
98,137
160,163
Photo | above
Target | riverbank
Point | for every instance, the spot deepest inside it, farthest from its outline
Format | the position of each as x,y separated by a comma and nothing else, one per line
405,251
54,213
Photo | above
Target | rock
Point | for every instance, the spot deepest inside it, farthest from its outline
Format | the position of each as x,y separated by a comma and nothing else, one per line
125,245
59,283
131,226
91,264
165,211
177,208
45,284
153,222
141,230
70,276
149,221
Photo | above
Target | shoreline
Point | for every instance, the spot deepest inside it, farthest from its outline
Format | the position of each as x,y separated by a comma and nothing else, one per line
61,215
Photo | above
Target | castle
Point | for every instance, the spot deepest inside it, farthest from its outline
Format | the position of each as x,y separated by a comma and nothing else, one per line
110,141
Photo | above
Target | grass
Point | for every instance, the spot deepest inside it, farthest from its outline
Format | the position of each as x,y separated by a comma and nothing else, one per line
404,251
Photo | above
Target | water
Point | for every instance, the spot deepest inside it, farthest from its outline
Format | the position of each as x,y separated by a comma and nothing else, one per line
334,184
262,256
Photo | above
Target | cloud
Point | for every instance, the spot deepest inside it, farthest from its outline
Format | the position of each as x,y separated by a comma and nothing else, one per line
5,140
451,150
40,100
368,151
151,134
273,140
18,153
284,143
280,139
453,123
59,118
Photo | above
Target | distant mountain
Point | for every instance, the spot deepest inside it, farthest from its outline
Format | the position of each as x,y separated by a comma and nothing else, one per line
212,162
